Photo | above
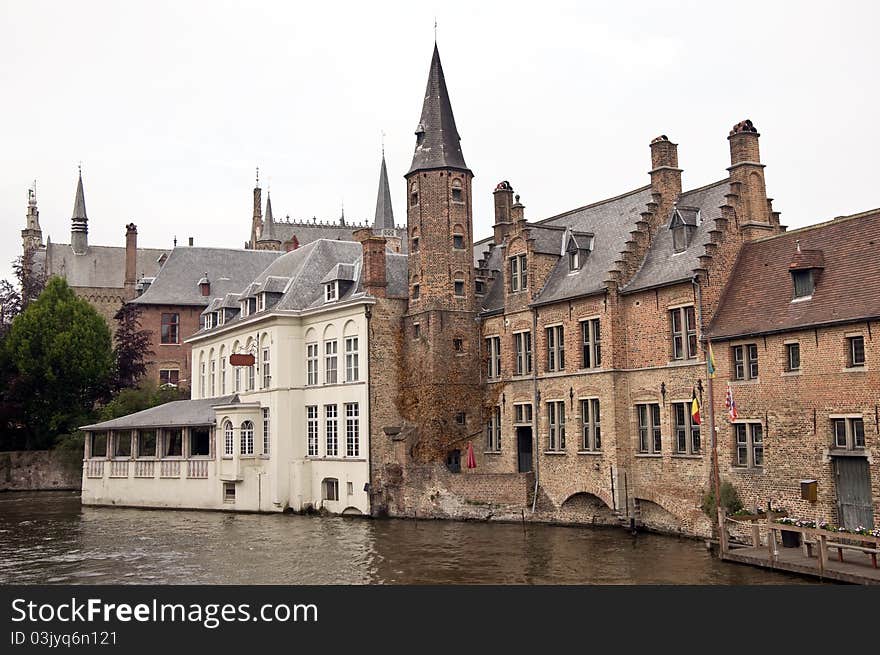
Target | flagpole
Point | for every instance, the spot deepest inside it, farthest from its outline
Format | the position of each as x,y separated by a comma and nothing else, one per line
710,397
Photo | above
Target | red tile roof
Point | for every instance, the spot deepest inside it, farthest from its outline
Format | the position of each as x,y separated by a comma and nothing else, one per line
758,297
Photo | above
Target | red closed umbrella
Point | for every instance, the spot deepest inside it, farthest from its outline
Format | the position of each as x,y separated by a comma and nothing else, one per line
471,460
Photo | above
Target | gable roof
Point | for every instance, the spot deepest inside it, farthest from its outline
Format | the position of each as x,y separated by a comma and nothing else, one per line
100,266
228,271
758,297
662,265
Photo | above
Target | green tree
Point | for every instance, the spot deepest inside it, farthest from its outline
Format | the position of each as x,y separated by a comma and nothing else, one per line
132,346
60,349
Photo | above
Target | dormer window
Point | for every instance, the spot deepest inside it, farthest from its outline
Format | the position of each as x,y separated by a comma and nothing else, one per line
261,302
683,225
221,317
331,291
803,283
209,321
574,260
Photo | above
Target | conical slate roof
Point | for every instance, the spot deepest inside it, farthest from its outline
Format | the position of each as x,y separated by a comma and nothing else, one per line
268,233
437,141
79,203
384,212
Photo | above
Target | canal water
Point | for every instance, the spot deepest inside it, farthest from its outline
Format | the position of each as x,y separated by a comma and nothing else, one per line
48,537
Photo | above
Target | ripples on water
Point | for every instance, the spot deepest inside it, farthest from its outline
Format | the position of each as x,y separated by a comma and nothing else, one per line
48,537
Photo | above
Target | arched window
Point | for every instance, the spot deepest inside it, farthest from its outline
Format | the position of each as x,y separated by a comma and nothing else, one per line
457,194
228,440
237,371
414,194
222,389
201,375
251,370
212,367
264,361
247,438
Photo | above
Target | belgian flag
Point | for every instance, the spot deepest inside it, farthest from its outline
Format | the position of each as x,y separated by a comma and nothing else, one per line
695,409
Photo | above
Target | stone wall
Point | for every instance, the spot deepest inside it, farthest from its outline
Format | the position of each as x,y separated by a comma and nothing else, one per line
38,470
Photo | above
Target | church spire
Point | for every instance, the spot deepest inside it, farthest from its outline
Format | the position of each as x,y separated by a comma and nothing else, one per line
32,235
268,221
384,213
79,221
437,140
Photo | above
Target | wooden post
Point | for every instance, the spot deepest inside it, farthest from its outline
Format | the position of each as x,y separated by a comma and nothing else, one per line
722,531
756,534
823,554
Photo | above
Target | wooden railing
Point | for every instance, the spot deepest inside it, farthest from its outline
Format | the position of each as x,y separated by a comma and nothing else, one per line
119,468
197,468
169,468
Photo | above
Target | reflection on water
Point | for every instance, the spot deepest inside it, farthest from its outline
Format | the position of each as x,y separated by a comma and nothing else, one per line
48,537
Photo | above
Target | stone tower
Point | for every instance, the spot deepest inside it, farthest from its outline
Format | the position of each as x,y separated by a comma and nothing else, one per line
79,221
32,235
257,219
441,394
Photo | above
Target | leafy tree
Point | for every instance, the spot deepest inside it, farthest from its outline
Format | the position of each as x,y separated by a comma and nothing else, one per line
60,349
729,500
132,346
10,306
31,279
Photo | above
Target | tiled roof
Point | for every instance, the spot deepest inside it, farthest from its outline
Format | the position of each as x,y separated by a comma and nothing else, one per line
178,413
228,271
662,265
758,298
100,266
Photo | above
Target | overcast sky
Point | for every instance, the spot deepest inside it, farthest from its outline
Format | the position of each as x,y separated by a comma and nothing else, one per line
170,106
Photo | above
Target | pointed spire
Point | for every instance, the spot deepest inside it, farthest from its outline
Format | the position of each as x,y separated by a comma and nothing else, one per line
384,213
268,233
437,140
79,203
79,222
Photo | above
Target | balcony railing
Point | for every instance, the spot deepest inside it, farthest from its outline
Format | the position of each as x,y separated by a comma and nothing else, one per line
144,468
119,468
169,468
94,468
197,468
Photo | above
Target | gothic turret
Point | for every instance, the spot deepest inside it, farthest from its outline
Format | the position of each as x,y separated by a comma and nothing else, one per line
32,235
383,224
79,221
257,218
267,239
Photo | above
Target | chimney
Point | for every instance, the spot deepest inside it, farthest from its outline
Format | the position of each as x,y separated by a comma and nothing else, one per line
205,285
190,241
517,212
747,178
503,203
665,174
131,243
374,274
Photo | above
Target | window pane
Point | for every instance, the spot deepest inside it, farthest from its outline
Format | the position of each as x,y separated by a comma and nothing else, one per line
858,429
840,433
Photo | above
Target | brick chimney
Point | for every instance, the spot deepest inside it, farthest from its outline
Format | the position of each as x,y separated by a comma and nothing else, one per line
503,205
374,275
205,285
747,181
131,244
665,175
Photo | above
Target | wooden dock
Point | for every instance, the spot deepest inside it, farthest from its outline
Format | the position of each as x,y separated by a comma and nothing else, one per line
817,556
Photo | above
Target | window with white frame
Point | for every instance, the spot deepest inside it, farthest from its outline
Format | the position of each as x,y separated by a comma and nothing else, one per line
330,352
312,363
683,324
855,351
591,344
849,432
650,434
261,302
172,438
213,369
522,346
312,430
169,376
267,371
555,348
266,440
687,433
493,364
201,377
749,444
331,291
519,276
493,431
556,425
792,357
251,372
331,430
591,433
222,375
228,439
745,362
352,430
522,413
352,374
237,376
209,321
247,438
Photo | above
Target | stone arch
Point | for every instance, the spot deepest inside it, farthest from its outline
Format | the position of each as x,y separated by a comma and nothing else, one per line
586,507
352,511
656,516
350,329
311,335
329,332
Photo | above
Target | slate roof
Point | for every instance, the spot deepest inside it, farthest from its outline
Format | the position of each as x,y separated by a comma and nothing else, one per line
79,202
662,265
438,144
100,266
610,221
384,218
178,413
758,298
228,271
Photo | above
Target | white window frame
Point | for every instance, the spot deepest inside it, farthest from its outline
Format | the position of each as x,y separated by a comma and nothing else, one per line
331,361
352,368
312,364
750,445
555,347
591,425
246,438
267,442
688,429
352,430
650,428
522,346
591,343
331,430
493,363
556,426
313,437
493,430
